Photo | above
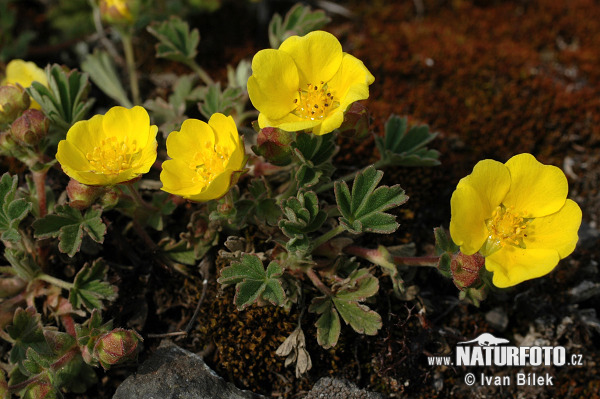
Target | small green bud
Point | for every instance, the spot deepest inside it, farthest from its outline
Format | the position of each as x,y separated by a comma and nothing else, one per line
275,145
7,144
30,128
356,122
82,196
110,198
41,389
465,269
116,347
13,101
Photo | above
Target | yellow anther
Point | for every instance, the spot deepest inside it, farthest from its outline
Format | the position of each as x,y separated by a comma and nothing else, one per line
112,156
506,227
315,102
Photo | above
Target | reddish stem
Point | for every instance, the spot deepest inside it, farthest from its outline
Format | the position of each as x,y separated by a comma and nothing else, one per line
374,255
69,324
317,282
39,179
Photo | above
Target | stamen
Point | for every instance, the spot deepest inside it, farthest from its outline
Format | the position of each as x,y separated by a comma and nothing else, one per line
315,102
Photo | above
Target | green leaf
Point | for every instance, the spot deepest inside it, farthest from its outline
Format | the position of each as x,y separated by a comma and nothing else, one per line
313,154
65,100
302,215
444,265
101,69
26,330
89,288
363,210
12,210
176,42
358,286
443,242
23,263
253,282
359,317
299,20
328,325
213,100
69,225
406,147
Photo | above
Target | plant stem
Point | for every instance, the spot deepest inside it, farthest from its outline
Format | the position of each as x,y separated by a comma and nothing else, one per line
327,236
377,257
55,281
205,77
317,282
379,164
39,179
130,60
137,198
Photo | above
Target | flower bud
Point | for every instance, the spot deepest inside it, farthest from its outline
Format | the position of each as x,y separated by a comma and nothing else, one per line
82,196
356,122
30,128
117,346
465,269
119,12
110,198
275,145
13,101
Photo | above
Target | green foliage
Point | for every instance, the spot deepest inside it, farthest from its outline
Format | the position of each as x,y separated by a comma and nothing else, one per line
12,210
65,100
253,282
70,226
363,209
406,147
163,207
313,154
445,247
89,288
101,69
22,263
301,216
213,99
27,333
299,21
176,42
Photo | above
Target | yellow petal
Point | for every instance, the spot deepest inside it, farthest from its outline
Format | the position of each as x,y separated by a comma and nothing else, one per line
225,130
194,134
513,265
536,189
24,73
147,156
131,123
274,83
467,222
176,178
216,189
351,82
330,123
491,180
86,135
72,161
557,231
318,56
290,122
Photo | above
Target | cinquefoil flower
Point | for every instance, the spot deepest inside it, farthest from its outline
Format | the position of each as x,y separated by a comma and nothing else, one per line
517,215
206,159
306,84
109,149
24,73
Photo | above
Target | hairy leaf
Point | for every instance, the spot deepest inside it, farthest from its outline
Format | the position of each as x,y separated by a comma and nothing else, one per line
299,20
89,288
69,225
101,69
12,210
26,330
363,209
176,41
328,325
360,317
213,99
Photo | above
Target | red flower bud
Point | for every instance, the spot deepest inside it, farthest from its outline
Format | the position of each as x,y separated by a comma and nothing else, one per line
31,127
13,101
117,346
274,145
356,122
82,196
465,269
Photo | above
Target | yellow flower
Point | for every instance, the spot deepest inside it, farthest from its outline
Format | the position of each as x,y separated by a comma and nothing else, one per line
109,149
117,11
306,84
25,73
517,215
206,159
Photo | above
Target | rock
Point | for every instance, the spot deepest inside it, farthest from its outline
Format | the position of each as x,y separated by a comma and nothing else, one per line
174,373
497,318
336,388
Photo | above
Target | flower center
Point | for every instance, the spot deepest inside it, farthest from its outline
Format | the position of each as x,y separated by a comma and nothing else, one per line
209,163
315,102
112,156
507,227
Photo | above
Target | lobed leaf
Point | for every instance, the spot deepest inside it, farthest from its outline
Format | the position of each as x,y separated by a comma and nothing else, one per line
101,69
12,211
176,41
26,331
89,288
213,99
69,225
328,325
299,20
359,317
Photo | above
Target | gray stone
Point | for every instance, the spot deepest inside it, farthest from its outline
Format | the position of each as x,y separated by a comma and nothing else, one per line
174,373
336,388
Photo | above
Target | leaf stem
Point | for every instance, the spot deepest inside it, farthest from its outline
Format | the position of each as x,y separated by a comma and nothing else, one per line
379,164
327,236
317,282
137,198
131,69
205,77
55,281
375,256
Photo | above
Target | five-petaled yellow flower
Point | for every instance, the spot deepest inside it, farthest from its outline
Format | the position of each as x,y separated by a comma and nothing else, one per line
109,149
25,73
206,159
306,84
517,215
